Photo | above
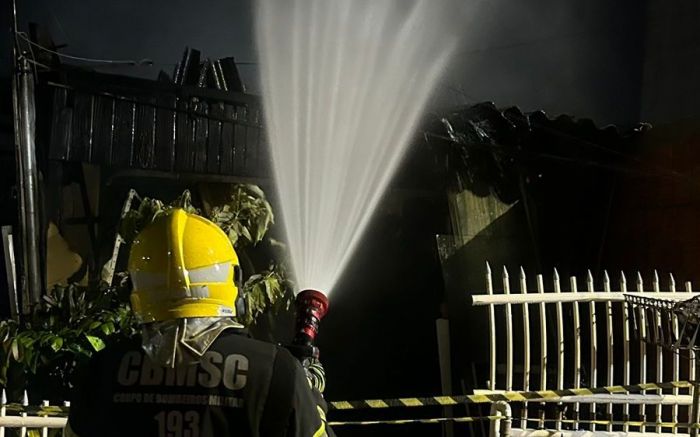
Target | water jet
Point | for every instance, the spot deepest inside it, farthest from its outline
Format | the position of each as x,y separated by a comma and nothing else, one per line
344,86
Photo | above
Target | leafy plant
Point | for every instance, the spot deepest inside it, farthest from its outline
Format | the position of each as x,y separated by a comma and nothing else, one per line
73,322
247,217
65,328
269,289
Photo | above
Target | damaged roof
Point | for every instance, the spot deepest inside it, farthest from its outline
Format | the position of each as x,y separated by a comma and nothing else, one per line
491,150
201,122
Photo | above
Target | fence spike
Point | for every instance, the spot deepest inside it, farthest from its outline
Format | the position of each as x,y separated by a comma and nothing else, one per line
659,369
3,397
578,370
676,370
594,342
625,346
25,399
610,368
543,342
560,347
509,329
526,346
643,337
492,331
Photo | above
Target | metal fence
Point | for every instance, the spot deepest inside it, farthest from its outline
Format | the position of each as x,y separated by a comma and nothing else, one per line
590,334
29,420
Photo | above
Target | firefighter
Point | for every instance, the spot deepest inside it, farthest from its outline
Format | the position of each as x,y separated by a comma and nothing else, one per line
194,372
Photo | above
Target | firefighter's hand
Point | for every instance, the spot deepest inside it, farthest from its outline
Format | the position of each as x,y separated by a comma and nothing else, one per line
303,352
315,374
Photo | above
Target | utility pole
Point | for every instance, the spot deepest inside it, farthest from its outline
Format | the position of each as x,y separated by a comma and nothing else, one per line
27,172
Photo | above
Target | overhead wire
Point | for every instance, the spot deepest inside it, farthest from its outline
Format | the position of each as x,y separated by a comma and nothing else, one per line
38,64
86,59
145,62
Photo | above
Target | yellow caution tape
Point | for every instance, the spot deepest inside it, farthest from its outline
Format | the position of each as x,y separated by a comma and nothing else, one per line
512,396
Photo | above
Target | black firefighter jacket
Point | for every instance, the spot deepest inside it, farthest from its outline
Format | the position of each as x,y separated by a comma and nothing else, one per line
241,387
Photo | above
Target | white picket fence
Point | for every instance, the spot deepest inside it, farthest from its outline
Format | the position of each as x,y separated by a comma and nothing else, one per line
579,316
25,422
573,309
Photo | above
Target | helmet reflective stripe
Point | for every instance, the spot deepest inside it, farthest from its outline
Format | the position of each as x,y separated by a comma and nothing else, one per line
215,273
158,281
143,279
199,291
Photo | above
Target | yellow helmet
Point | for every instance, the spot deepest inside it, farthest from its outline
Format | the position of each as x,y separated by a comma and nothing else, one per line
183,265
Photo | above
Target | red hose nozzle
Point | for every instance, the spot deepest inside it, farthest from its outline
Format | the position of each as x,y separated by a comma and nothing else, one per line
311,306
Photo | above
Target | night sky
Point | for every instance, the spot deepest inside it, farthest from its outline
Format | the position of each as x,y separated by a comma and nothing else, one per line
582,58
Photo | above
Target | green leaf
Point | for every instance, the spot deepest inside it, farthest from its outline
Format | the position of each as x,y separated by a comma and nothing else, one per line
255,190
50,301
15,350
96,342
108,328
29,354
233,236
78,349
56,344
25,338
268,290
246,233
262,229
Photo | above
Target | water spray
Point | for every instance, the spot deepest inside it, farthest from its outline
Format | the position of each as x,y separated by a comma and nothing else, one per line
344,87
311,306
